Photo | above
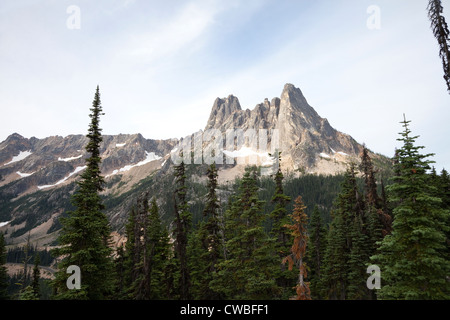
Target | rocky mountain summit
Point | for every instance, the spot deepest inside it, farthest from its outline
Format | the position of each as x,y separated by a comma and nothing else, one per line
39,164
308,142
37,175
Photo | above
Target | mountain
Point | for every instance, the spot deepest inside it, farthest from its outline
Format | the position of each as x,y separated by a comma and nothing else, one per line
308,142
37,176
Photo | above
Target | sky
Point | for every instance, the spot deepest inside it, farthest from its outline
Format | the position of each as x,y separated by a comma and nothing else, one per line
161,64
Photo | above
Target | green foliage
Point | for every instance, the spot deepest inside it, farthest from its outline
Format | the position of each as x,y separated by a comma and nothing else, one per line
316,252
84,238
183,225
413,258
206,244
347,254
3,274
141,266
249,265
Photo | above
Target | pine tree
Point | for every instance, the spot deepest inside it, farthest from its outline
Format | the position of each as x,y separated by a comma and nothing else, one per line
358,260
441,33
207,240
36,277
183,225
157,253
412,258
316,252
444,186
4,279
140,288
249,268
279,218
346,256
376,223
370,184
130,256
85,233
298,230
119,262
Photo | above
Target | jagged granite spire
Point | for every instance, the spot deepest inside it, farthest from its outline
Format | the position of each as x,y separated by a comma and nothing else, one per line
221,110
303,135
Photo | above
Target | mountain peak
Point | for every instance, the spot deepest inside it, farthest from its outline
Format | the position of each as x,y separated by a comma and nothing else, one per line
222,109
294,95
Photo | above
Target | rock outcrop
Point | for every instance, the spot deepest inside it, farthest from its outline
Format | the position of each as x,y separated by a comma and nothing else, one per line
305,139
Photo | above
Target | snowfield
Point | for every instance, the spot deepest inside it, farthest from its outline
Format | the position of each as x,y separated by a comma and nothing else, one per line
70,159
22,155
118,145
150,156
77,169
24,175
324,155
4,223
244,152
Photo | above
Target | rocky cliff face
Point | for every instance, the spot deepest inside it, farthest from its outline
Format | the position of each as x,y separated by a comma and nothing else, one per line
29,165
308,142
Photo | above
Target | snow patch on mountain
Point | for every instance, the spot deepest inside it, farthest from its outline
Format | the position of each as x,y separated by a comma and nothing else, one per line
22,155
150,156
77,169
2,224
244,152
24,175
69,159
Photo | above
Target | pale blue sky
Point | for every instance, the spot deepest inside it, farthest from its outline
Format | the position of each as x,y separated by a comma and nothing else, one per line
161,64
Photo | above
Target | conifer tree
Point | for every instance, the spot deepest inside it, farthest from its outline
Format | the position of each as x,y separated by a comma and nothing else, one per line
316,252
130,256
249,268
441,33
85,234
342,265
279,218
36,277
412,258
358,260
376,223
4,282
183,225
208,240
444,186
299,233
157,253
140,288
119,262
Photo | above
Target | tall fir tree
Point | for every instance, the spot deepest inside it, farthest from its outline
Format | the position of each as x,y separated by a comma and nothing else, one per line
376,223
35,283
444,186
298,229
346,255
183,226
250,264
140,288
157,253
4,279
209,240
441,33
315,253
412,258
283,239
130,257
85,234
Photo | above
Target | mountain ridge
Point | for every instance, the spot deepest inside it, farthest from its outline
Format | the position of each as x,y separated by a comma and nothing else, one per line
37,174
